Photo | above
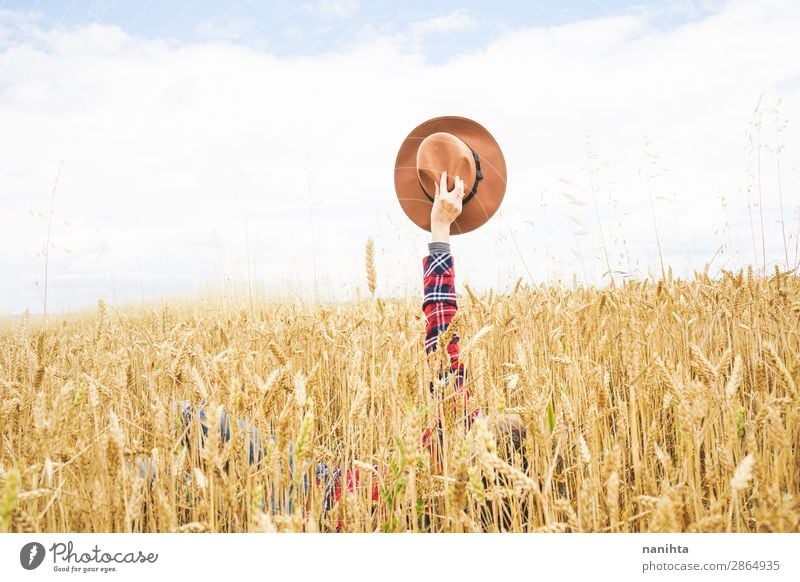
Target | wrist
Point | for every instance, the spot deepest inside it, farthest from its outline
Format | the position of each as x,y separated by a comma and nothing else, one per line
440,232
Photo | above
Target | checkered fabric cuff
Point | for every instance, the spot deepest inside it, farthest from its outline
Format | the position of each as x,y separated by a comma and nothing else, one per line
438,247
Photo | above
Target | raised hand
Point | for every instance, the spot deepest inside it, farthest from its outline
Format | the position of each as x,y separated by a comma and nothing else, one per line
447,206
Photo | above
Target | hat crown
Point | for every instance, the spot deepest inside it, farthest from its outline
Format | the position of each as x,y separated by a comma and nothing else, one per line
442,151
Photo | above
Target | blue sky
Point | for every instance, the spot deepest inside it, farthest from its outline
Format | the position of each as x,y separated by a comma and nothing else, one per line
155,149
292,28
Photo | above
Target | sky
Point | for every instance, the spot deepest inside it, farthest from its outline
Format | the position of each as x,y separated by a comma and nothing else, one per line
290,28
152,150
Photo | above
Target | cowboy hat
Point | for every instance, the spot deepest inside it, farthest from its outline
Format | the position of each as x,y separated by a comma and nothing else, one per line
462,147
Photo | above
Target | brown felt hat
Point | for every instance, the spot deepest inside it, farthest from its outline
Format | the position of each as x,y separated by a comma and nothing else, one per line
462,147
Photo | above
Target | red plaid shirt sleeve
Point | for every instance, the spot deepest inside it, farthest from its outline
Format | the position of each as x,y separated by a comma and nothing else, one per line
440,306
439,302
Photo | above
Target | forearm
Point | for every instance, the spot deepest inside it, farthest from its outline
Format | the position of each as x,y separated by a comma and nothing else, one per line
440,306
439,298
439,301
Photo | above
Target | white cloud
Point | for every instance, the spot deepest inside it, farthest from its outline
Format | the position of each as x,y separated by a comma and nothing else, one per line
335,9
14,23
457,21
230,28
199,165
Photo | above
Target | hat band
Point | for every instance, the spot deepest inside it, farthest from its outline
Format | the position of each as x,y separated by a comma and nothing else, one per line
478,178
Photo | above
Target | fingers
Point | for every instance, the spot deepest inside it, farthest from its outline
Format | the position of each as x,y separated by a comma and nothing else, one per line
458,188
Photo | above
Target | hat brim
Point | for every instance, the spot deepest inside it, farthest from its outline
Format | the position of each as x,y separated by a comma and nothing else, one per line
477,211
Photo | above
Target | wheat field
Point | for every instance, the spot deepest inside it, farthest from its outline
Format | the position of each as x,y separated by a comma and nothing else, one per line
651,406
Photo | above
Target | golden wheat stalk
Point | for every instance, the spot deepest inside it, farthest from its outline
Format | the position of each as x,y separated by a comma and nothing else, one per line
372,277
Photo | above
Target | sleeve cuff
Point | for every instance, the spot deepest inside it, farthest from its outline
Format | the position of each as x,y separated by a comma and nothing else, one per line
438,247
